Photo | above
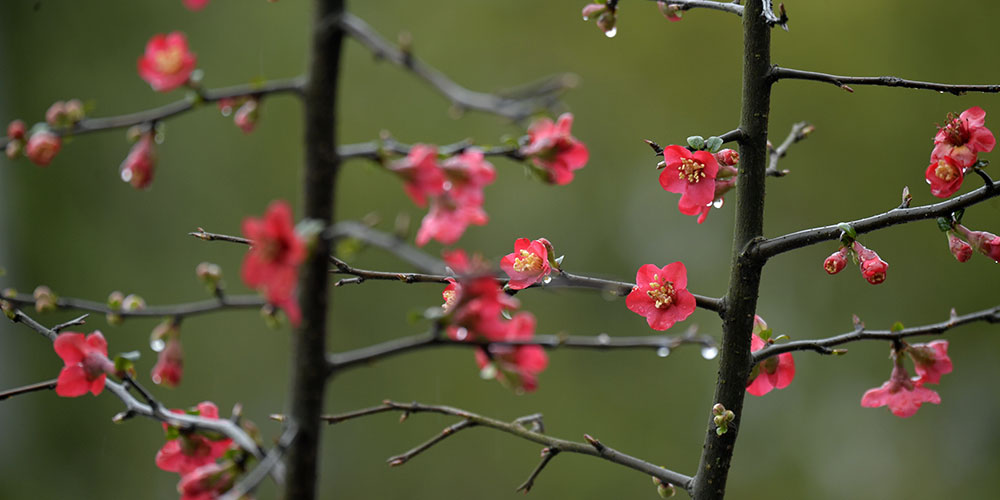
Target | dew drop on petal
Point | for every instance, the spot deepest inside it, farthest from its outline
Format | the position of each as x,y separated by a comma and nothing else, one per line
604,339
157,345
547,280
126,174
663,352
586,18
709,352
461,334
718,203
447,185
614,31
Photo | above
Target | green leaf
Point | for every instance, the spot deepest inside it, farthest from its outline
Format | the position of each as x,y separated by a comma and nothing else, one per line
172,433
765,334
696,142
958,214
714,144
943,224
848,230
896,327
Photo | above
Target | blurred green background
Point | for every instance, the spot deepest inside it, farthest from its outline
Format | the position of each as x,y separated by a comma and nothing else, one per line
75,227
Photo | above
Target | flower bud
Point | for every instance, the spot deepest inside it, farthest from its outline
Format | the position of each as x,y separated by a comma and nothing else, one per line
42,147
208,273
45,300
987,243
226,105
728,157
958,247
169,363
873,268
670,11
74,111
592,10
139,166
56,114
133,302
606,22
14,149
836,262
246,117
115,299
666,490
16,129
718,409
8,309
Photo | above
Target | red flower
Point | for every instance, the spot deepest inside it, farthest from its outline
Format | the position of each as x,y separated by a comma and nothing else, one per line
873,268
138,167
191,451
446,221
692,175
963,137
42,147
421,172
552,148
959,248
945,177
206,482
169,363
528,265
516,366
195,5
275,253
477,304
466,175
86,364
986,242
930,360
16,129
775,372
167,62
902,395
661,295
836,262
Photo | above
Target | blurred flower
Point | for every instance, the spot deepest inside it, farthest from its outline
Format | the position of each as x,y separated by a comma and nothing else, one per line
16,129
775,372
246,116
167,62
421,173
528,265
192,450
42,147
661,295
276,250
195,5
86,363
169,363
206,482
692,175
467,174
139,166
515,366
553,149
446,221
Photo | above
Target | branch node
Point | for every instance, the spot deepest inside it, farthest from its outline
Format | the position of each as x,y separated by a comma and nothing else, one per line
594,442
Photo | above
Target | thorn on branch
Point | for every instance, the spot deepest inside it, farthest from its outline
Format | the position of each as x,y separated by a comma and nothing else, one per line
594,442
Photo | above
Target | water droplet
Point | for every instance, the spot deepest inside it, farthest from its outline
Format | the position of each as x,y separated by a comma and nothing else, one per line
461,334
489,371
663,352
709,352
157,345
586,18
447,185
611,32
718,203
547,280
604,339
126,174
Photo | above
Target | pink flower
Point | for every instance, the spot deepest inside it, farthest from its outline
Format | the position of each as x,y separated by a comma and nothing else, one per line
528,265
661,295
986,242
16,130
246,116
467,174
206,482
775,372
930,360
873,268
963,137
169,363
421,173
86,363
552,148
42,147
276,250
139,166
476,309
959,248
195,5
692,175
944,176
516,366
836,262
192,450
446,221
902,395
167,62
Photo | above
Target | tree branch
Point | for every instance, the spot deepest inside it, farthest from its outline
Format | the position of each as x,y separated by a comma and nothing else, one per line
174,310
730,7
767,248
376,150
799,131
594,449
547,455
365,355
41,386
272,460
844,82
526,101
823,346
88,125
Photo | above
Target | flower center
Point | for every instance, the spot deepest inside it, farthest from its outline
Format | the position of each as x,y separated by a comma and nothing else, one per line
830,266
956,130
527,262
662,292
691,170
169,61
449,299
945,171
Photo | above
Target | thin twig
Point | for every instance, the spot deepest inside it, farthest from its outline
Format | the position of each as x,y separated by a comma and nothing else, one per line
73,322
252,479
799,132
823,346
769,247
174,310
402,458
539,96
389,243
377,150
731,8
844,82
41,386
547,455
603,451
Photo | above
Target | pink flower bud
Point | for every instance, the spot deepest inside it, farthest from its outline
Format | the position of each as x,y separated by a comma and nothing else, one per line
606,22
74,111
959,248
728,157
56,114
42,147
195,5
592,10
138,167
16,129
670,11
985,242
169,363
246,117
873,268
836,262
14,149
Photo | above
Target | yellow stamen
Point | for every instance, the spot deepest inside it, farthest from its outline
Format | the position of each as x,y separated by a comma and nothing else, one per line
691,170
169,61
945,172
527,262
661,292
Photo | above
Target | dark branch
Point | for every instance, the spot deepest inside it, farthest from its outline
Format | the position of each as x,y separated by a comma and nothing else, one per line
729,7
844,82
41,386
252,479
516,429
377,150
823,346
389,243
767,248
547,455
525,101
799,131
370,354
175,310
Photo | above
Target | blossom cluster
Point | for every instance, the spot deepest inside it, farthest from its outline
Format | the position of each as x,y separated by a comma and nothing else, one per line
873,268
903,394
956,149
474,308
195,457
276,251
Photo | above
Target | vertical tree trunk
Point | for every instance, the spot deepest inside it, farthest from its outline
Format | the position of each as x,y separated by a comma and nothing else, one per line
321,166
744,281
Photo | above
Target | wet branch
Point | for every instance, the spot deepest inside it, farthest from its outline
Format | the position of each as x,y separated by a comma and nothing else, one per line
41,386
844,82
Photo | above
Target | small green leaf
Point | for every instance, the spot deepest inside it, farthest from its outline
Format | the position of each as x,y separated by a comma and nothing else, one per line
696,142
943,224
765,334
896,327
172,433
714,144
781,337
958,214
848,230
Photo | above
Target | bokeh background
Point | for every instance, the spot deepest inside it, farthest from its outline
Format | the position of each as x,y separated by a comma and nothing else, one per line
75,227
